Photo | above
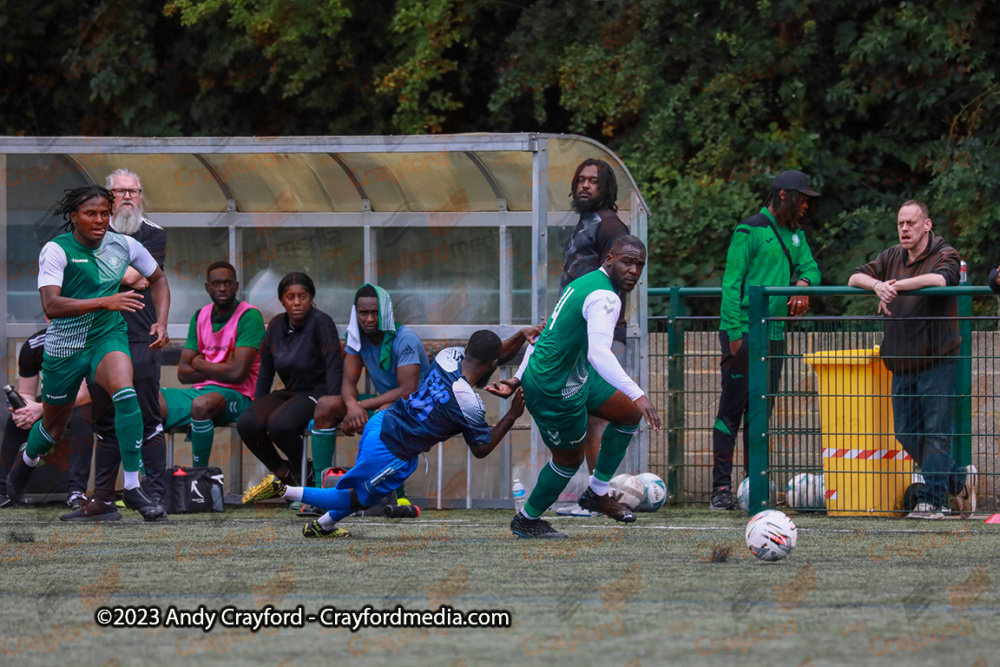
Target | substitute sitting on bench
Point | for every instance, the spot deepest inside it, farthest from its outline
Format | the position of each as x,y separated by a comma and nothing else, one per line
221,359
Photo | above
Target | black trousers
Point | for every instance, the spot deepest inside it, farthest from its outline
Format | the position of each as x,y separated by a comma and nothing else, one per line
146,365
277,421
734,405
78,443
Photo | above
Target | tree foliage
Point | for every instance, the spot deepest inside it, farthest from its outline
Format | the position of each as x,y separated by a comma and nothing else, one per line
878,101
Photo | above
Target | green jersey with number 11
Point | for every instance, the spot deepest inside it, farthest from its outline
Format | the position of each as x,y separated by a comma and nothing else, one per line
558,367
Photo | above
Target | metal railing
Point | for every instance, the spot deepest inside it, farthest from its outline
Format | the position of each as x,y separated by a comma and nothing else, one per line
800,434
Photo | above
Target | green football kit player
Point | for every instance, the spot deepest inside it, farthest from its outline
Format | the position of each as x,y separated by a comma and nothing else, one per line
571,373
79,274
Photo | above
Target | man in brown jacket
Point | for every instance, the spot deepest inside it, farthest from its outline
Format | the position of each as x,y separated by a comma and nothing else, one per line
920,349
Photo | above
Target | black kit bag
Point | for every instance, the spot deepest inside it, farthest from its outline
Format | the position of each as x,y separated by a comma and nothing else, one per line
191,490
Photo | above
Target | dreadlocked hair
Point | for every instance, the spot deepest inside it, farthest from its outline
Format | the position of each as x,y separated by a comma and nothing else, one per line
74,198
606,181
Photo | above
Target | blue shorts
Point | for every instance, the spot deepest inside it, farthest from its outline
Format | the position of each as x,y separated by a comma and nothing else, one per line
377,472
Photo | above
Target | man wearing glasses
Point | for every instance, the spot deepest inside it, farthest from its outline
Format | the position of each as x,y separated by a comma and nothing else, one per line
128,217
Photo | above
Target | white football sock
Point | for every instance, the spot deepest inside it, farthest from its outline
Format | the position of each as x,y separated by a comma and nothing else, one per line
131,479
599,487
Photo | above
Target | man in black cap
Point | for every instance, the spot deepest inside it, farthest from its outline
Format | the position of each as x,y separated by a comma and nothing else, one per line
768,248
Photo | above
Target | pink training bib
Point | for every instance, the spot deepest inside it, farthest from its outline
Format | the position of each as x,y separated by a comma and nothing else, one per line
216,345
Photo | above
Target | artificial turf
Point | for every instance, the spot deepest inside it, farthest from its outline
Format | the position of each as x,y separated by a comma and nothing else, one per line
677,587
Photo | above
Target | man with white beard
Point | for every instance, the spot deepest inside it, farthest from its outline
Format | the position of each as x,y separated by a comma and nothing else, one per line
129,218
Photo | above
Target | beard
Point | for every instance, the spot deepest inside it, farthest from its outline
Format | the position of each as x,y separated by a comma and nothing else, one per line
483,381
127,220
585,206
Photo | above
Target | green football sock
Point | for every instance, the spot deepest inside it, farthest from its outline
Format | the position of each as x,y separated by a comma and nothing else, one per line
39,441
324,444
614,444
128,428
551,481
202,437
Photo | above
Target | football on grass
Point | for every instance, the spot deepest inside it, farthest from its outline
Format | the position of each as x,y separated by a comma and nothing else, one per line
806,491
743,494
656,492
771,535
631,488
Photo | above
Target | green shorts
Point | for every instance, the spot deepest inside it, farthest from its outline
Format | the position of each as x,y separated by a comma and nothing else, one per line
562,422
61,377
179,404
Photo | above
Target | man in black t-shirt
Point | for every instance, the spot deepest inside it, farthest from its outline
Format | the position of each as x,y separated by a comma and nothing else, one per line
129,219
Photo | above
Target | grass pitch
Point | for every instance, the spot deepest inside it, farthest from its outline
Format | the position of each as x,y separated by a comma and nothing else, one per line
677,587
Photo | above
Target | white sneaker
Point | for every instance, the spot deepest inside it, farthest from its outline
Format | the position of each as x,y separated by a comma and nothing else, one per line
966,498
577,511
74,500
925,511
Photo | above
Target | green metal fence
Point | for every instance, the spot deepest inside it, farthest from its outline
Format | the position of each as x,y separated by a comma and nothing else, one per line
830,426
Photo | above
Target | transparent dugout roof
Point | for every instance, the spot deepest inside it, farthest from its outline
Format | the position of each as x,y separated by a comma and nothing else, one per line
451,173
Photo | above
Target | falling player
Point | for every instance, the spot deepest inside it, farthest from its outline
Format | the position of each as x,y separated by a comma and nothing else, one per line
444,406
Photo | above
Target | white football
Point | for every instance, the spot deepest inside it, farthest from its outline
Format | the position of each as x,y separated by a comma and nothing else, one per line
631,489
771,535
617,480
743,494
806,491
656,492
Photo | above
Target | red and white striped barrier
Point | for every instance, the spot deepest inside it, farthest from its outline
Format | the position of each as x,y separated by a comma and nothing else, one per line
886,454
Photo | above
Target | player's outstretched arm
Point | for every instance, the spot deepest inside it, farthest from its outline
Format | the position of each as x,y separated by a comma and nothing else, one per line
502,427
513,345
55,305
504,388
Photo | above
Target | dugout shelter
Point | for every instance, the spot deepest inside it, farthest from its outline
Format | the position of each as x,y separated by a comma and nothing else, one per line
464,231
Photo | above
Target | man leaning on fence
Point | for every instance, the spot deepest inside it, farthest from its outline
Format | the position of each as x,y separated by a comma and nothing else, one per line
920,350
768,248
994,280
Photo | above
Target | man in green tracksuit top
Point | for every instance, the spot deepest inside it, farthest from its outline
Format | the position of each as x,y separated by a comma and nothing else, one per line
768,248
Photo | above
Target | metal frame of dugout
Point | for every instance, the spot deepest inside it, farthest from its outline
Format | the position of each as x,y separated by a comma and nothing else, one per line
465,231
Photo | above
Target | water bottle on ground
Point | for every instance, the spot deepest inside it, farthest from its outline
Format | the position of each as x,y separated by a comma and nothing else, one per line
519,495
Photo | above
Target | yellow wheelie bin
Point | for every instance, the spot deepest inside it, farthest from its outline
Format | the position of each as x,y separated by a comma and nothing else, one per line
865,469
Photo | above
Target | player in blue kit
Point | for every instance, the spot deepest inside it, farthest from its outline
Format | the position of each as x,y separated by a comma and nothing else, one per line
444,406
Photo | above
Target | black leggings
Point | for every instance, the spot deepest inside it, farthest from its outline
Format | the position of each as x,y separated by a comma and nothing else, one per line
79,441
278,420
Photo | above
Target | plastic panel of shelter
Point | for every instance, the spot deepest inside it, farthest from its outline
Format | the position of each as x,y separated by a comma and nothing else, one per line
171,182
439,275
448,183
34,184
559,230
286,183
332,256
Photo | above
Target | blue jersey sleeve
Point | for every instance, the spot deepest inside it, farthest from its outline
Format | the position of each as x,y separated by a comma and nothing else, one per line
475,430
